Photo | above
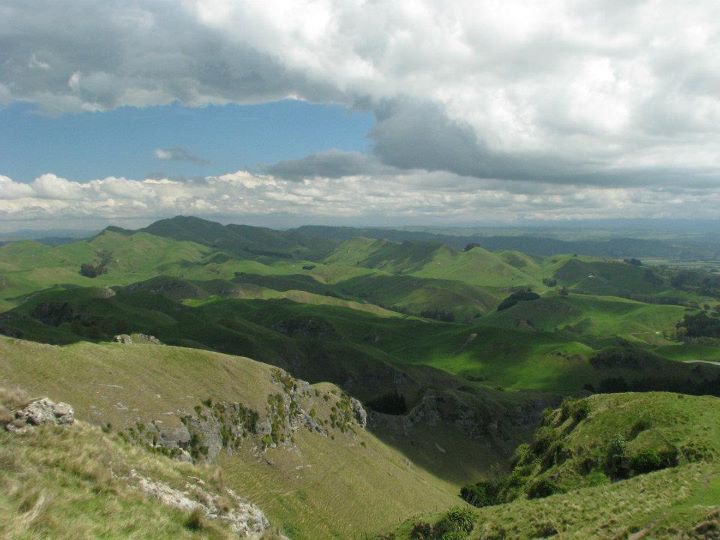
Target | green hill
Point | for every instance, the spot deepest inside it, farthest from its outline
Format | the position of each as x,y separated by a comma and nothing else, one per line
241,240
592,315
311,489
476,266
609,278
626,465
366,351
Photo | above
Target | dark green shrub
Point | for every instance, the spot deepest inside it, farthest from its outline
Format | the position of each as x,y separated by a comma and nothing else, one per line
616,461
652,460
544,438
482,493
456,520
545,529
586,465
421,531
194,521
542,487
519,296
581,410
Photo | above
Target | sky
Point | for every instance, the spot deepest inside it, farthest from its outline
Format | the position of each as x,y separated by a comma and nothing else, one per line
372,112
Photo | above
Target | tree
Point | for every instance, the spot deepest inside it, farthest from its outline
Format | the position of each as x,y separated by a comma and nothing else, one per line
519,296
93,270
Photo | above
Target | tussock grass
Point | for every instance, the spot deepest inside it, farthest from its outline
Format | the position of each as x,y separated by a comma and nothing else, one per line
71,482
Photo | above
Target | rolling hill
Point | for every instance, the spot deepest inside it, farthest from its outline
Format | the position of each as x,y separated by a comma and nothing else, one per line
619,466
129,385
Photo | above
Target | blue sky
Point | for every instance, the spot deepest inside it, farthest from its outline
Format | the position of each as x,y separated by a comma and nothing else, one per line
122,142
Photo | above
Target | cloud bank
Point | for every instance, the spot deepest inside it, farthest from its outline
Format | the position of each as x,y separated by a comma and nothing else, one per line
600,94
388,199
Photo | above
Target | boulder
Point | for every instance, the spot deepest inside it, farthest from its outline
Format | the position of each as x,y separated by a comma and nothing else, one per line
39,412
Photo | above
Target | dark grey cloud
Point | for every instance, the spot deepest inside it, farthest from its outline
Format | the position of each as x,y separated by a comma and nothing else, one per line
98,54
330,164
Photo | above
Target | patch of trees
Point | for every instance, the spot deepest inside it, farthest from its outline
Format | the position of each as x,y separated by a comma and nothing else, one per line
98,267
390,403
438,315
80,323
519,296
700,325
624,356
651,277
697,281
549,282
614,385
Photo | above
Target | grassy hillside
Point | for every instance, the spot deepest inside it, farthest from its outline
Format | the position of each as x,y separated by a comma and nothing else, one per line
592,315
546,345
428,260
27,267
644,465
241,240
78,482
673,503
609,278
313,490
476,267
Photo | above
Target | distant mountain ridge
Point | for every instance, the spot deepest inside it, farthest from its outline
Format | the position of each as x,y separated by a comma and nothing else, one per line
531,245
240,239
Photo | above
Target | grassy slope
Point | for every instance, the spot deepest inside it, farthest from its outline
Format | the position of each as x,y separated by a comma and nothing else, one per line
665,504
30,266
72,483
350,342
254,292
474,267
662,504
314,491
650,421
592,315
690,352
592,276
26,267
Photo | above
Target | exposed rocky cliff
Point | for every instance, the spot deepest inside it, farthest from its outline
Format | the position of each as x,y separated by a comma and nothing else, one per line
216,426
